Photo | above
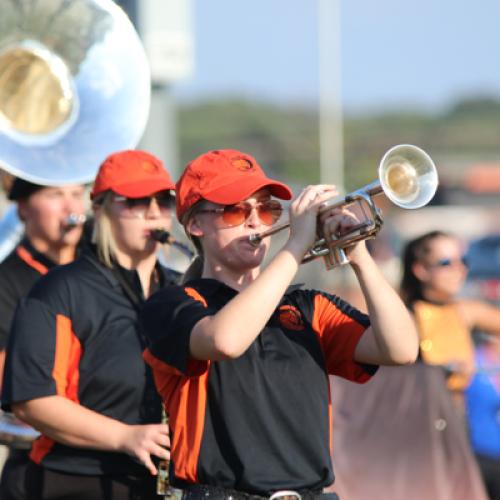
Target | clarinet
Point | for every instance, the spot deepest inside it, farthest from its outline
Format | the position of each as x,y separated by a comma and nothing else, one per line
162,479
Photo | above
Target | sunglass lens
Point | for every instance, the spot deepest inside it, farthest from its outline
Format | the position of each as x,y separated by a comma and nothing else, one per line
137,202
447,262
166,201
444,262
234,215
270,212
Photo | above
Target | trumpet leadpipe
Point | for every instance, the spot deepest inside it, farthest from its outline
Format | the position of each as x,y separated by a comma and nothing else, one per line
255,239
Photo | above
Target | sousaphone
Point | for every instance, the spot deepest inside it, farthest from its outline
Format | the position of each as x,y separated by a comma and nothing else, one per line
74,87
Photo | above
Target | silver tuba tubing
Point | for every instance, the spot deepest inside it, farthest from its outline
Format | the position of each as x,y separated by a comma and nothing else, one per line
74,87
406,175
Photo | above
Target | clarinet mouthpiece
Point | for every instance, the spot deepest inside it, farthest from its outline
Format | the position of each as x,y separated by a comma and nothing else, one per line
161,235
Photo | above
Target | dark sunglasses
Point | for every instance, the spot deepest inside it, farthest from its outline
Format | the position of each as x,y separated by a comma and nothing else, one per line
234,215
137,207
448,262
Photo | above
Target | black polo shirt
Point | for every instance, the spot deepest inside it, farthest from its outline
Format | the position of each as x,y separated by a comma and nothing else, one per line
76,335
261,422
18,273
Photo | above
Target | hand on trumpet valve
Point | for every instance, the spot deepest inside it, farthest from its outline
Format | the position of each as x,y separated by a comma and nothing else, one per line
339,222
303,215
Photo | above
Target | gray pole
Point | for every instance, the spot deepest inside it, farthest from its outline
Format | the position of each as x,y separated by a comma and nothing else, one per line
330,96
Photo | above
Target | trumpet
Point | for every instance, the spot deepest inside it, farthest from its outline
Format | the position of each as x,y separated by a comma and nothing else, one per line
408,178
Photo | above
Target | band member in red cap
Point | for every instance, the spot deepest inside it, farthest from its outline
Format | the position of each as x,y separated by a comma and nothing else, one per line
53,222
241,358
74,369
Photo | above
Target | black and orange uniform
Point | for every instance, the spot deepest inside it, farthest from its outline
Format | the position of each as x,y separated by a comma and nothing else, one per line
75,335
261,422
18,273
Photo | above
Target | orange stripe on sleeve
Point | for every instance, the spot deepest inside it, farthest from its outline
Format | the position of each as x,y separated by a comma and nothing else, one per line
67,359
66,375
339,335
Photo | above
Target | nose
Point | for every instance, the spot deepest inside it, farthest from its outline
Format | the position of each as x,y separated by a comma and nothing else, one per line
153,211
253,219
74,205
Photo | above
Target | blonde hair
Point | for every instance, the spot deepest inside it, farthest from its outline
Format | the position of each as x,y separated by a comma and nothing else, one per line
102,234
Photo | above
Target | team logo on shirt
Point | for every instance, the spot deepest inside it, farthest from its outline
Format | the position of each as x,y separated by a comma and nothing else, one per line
194,294
243,164
291,318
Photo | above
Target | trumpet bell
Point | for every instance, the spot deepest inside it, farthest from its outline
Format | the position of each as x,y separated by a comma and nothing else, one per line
74,87
408,176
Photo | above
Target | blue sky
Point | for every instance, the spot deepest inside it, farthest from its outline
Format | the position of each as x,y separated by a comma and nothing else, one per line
424,54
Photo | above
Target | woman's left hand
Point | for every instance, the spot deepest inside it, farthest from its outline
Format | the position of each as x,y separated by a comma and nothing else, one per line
144,441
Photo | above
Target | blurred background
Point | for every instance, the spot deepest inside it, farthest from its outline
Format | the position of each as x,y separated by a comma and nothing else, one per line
318,90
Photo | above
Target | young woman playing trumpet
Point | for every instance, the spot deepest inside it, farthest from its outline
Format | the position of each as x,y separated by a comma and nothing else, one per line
241,356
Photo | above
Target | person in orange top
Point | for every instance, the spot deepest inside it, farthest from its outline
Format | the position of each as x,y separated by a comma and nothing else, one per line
52,217
404,430
241,358
434,272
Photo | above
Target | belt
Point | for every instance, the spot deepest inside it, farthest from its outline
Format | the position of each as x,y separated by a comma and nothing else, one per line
207,492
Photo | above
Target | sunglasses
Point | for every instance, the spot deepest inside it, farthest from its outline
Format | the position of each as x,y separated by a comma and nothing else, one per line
234,215
448,262
137,207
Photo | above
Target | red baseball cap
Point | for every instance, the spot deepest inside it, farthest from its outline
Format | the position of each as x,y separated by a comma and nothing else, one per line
224,176
132,173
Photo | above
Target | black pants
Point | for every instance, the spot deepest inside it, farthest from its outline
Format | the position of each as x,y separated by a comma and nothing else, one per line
44,484
206,492
13,474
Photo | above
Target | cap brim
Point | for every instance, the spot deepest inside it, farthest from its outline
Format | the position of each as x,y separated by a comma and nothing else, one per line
145,188
239,191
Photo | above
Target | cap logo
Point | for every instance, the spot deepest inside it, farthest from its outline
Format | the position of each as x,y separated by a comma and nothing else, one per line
149,167
290,318
242,164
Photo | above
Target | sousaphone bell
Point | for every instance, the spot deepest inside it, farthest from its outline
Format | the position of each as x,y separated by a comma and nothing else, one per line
74,87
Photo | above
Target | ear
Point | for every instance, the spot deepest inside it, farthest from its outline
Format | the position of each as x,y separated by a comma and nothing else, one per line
22,209
420,271
194,228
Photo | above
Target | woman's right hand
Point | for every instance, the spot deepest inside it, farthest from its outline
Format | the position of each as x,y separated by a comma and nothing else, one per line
303,215
143,441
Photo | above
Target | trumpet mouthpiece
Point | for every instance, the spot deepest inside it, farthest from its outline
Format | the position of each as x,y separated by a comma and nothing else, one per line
255,239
